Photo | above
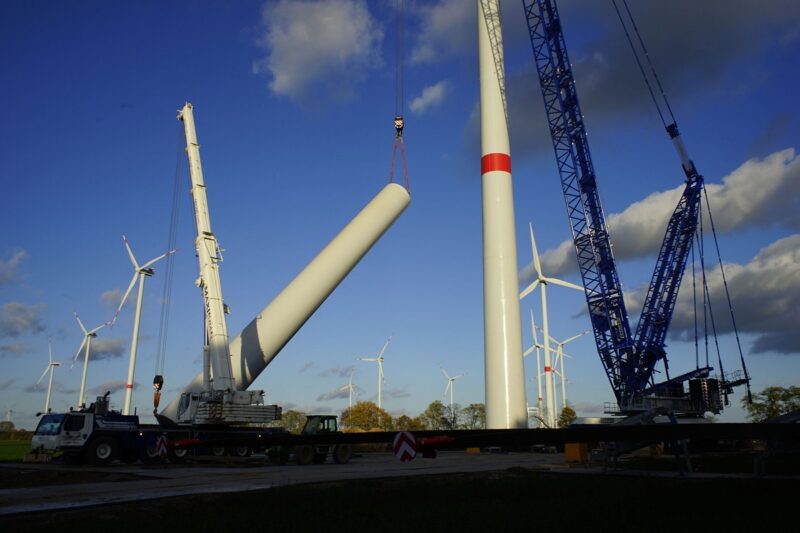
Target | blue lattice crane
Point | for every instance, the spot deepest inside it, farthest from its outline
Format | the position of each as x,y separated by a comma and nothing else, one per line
629,359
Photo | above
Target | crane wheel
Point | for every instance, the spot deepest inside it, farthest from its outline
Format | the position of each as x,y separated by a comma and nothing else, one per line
304,454
241,451
342,453
102,451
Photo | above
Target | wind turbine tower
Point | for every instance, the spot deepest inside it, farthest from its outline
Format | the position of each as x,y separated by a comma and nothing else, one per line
450,386
542,281
88,335
51,365
537,347
378,360
139,274
504,373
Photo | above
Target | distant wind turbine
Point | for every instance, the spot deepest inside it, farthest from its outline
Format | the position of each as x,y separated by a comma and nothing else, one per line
139,274
88,335
350,388
537,347
378,360
450,386
542,281
51,365
560,355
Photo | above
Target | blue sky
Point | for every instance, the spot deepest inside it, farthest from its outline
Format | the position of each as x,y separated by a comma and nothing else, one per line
294,104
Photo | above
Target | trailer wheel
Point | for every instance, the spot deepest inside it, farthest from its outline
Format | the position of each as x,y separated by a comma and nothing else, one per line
101,451
342,453
178,456
149,456
219,451
278,455
241,451
304,455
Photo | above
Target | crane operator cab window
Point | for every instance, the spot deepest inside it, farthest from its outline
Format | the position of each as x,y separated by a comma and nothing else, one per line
49,425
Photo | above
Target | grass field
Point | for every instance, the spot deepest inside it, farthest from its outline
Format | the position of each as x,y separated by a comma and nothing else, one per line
14,450
513,500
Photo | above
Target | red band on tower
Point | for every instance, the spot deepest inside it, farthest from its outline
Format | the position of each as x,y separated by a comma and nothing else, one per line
129,386
496,161
547,369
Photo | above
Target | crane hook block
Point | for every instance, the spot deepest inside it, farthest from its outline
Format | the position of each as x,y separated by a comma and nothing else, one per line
158,384
399,123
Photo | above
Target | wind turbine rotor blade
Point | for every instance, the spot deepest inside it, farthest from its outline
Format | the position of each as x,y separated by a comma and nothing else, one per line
42,376
456,377
529,351
579,335
533,328
80,323
98,328
566,355
444,372
537,265
49,350
529,289
370,359
130,253
380,371
78,353
125,297
563,283
157,259
385,345
447,388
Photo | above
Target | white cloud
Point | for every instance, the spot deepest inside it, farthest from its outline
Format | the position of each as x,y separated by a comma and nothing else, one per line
17,319
765,294
5,385
112,387
339,371
113,297
447,27
320,47
760,193
8,268
431,96
14,348
106,349
306,366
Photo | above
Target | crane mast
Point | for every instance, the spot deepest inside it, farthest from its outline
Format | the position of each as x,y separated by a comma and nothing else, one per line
216,354
629,360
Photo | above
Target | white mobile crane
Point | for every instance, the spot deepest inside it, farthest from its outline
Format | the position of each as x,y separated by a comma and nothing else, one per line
219,402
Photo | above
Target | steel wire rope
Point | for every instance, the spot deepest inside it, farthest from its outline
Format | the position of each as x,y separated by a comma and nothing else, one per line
166,293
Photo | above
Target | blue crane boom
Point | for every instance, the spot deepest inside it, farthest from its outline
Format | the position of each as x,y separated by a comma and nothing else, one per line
629,360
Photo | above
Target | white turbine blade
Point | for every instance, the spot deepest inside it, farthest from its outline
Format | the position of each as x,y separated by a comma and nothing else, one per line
563,283
80,323
49,350
125,297
78,353
445,372
566,355
157,259
536,264
575,337
456,377
380,371
98,328
370,359
529,289
130,253
42,376
529,351
447,388
533,328
385,344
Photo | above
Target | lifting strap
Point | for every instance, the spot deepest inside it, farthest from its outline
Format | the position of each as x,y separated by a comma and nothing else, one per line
399,122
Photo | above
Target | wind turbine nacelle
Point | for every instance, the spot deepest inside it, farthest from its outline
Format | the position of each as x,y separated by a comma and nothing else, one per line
262,339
